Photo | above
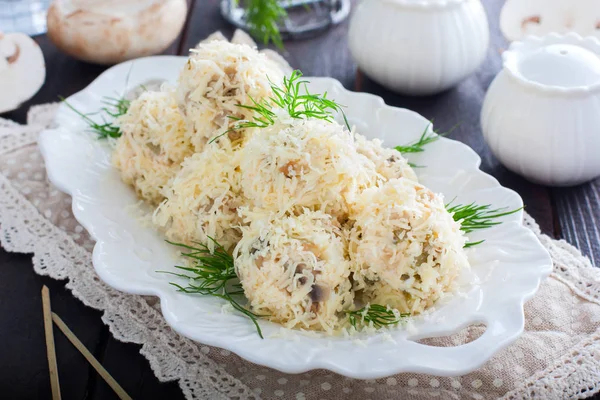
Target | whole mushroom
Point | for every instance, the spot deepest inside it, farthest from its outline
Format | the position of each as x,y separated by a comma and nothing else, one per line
22,70
112,31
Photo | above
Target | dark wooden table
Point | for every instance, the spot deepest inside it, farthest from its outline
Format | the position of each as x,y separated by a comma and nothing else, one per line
572,214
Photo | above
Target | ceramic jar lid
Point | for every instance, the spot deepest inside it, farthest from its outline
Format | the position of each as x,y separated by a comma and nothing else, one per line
561,63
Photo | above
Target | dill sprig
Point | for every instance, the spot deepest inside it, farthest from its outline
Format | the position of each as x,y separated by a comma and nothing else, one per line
375,314
263,18
472,244
307,105
113,107
294,98
474,217
212,274
419,146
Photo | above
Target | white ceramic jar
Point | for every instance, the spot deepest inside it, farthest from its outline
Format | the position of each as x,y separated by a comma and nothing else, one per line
541,115
419,47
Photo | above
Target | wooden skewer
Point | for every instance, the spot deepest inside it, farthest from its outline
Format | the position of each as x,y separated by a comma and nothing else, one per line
91,359
50,349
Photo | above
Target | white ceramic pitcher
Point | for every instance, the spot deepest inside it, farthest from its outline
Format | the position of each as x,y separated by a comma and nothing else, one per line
541,115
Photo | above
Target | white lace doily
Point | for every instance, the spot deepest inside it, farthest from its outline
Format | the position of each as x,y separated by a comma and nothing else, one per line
557,357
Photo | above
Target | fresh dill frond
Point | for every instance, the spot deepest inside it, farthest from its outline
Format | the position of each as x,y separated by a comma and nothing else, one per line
307,105
413,165
426,138
212,274
474,217
375,314
419,146
472,244
113,107
263,118
294,98
263,18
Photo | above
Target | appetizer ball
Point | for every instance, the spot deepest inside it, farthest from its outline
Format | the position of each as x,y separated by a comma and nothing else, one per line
389,163
405,248
202,201
304,163
152,145
217,78
293,270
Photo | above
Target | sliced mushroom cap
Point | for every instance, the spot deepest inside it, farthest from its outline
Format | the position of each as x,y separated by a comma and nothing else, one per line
22,70
319,293
112,31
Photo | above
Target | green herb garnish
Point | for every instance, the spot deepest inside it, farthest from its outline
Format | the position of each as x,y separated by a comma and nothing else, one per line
474,217
305,105
375,314
418,147
472,244
294,98
212,274
113,107
263,18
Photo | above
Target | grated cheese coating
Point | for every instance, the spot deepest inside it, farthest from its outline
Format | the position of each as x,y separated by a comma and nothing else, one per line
152,145
406,249
304,163
389,163
217,77
316,217
293,269
202,201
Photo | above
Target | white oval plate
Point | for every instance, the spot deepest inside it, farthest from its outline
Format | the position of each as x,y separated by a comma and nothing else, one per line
509,265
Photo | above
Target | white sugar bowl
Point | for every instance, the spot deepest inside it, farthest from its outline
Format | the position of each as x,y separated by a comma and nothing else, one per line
541,115
419,47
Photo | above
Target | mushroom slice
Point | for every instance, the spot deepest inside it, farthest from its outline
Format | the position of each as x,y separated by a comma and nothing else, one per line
22,70
536,19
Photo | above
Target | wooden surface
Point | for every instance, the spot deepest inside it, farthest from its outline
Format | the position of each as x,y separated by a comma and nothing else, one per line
572,214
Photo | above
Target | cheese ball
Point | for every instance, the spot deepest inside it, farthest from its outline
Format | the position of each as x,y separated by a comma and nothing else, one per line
293,270
406,249
203,199
304,163
218,77
389,163
152,145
